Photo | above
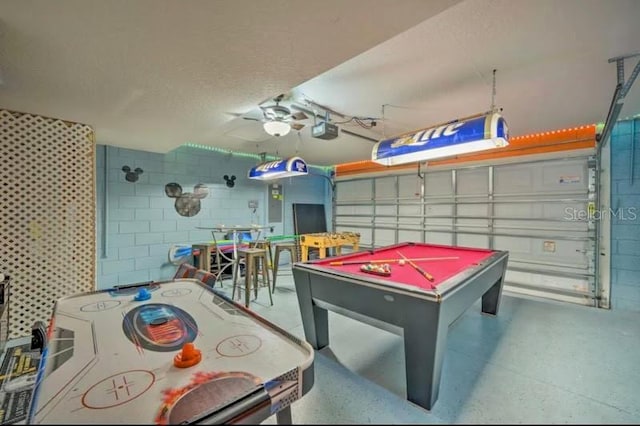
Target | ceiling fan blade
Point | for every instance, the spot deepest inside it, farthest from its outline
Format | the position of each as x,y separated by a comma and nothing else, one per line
299,116
268,113
297,126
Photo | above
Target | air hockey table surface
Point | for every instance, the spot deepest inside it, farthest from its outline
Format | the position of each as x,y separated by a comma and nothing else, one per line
113,358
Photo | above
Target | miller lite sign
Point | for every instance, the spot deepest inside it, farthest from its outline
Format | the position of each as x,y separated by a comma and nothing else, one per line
294,166
458,137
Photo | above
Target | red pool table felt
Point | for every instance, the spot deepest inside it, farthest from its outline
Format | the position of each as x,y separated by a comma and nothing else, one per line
440,270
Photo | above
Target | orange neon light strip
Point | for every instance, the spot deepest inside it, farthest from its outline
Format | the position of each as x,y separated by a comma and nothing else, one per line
538,143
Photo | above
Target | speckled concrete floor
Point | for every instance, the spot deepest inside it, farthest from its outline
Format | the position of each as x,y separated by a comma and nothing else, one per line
536,362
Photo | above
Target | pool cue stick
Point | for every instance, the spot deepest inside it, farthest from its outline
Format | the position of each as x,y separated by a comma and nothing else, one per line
360,262
416,267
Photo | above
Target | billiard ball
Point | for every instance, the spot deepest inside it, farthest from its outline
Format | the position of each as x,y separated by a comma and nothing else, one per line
401,262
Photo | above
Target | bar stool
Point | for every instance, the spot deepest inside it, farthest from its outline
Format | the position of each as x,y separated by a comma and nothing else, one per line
291,248
255,260
266,245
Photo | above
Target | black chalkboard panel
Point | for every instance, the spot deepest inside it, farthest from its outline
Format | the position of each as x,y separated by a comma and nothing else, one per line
309,218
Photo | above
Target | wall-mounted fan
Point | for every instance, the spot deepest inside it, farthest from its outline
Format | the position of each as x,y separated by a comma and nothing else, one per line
278,119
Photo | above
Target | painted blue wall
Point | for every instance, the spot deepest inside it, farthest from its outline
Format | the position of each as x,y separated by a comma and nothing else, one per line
625,225
142,223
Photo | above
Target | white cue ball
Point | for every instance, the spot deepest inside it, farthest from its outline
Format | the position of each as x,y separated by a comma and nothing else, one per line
401,262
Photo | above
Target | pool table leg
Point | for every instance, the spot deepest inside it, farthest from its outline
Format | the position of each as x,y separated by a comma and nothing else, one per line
424,348
283,417
315,319
491,298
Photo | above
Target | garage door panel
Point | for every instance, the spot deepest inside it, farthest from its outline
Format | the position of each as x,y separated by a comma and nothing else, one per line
354,209
567,211
561,251
571,175
409,214
359,221
438,183
471,240
473,210
385,187
573,290
539,227
512,180
439,210
521,246
438,224
409,222
354,190
409,186
564,212
414,236
516,210
438,237
473,181
531,231
472,225
409,209
386,210
384,236
439,215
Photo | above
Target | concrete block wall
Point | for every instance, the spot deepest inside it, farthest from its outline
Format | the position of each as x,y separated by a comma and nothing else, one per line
625,218
142,223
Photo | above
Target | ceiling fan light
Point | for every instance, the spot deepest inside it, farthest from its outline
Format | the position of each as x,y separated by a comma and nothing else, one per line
276,128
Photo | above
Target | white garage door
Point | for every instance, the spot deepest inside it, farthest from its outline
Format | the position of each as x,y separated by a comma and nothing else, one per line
537,210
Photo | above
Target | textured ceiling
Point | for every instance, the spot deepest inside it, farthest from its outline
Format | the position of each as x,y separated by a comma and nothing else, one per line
155,74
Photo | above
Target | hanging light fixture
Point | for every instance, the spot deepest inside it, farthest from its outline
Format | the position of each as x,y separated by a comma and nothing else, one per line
294,166
476,133
276,127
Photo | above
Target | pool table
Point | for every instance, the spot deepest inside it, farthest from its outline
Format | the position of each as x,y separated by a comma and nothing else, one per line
405,302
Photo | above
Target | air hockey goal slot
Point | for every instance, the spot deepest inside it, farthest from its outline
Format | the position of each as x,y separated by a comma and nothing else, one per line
214,398
38,336
130,289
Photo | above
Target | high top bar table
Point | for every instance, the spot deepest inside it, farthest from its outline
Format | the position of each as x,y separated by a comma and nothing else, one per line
235,230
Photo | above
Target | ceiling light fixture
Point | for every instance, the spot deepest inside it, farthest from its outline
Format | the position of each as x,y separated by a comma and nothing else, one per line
276,127
294,166
476,133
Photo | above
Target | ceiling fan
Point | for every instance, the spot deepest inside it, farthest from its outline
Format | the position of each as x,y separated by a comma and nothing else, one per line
278,119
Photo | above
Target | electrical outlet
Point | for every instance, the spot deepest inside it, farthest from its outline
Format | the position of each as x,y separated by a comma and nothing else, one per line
253,204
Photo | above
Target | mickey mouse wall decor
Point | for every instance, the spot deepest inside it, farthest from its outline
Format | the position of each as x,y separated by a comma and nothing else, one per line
188,203
131,175
231,181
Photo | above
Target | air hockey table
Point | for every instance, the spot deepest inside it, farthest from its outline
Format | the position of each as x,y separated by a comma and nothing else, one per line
174,352
404,301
